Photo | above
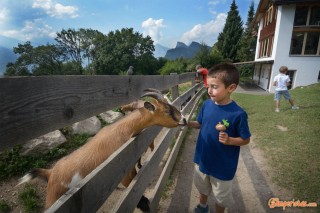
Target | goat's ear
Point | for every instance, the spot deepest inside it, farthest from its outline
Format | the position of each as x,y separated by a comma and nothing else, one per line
149,106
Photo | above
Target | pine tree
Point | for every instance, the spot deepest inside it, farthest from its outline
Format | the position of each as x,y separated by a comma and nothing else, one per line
228,39
248,41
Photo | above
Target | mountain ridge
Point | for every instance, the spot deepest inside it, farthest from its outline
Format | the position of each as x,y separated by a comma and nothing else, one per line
6,56
183,51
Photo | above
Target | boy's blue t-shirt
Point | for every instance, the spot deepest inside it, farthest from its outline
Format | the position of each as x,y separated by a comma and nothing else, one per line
213,157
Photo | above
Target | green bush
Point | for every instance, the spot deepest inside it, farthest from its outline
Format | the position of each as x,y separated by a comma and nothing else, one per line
4,207
12,163
29,199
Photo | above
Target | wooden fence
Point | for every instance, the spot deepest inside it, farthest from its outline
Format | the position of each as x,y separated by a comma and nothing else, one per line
33,106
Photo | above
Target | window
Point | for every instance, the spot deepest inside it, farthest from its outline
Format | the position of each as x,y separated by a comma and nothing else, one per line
297,43
267,31
268,16
312,43
315,16
306,31
271,45
265,47
301,15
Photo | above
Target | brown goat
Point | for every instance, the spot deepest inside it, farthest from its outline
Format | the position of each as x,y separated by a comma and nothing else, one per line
129,108
69,170
132,106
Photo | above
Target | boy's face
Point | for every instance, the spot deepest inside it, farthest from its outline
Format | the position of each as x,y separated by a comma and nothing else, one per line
218,92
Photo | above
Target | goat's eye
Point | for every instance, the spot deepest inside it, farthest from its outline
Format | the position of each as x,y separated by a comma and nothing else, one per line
172,112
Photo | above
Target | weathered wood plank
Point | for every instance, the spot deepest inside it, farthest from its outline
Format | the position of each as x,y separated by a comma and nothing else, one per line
33,106
159,188
175,92
188,76
189,93
133,193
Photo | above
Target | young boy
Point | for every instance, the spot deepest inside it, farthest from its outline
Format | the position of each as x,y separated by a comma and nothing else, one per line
217,152
282,81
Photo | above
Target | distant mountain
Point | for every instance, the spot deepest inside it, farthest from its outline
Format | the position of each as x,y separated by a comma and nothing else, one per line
183,51
9,42
6,56
6,51
160,51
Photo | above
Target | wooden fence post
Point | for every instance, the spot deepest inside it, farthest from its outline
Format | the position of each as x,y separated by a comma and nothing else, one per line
175,89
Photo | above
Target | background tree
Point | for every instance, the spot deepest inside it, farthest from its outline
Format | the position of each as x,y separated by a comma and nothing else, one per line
78,46
89,41
248,41
41,60
216,55
70,42
228,39
124,48
12,69
203,56
174,66
247,48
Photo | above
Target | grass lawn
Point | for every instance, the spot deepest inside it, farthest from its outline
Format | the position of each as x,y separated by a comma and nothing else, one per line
293,154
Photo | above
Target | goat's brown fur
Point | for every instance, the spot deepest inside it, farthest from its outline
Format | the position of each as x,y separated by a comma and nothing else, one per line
85,159
132,106
129,108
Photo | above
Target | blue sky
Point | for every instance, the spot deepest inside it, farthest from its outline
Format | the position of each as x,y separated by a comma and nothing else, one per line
166,21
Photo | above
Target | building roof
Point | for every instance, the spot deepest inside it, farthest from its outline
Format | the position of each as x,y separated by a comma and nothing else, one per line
264,5
294,1
255,62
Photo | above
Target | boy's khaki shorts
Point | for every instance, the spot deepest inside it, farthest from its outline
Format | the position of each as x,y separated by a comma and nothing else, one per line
222,190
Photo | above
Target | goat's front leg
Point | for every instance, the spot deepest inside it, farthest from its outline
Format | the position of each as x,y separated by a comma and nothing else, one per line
128,178
144,202
151,146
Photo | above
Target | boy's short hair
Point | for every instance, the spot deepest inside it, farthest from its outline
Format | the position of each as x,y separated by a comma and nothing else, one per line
226,72
283,69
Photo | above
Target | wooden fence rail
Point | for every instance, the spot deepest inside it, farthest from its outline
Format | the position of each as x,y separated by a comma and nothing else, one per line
33,106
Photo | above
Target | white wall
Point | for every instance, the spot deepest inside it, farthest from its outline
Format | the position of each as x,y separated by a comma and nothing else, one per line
307,67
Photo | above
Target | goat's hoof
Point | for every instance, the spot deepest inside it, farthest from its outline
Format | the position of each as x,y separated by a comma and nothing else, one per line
144,204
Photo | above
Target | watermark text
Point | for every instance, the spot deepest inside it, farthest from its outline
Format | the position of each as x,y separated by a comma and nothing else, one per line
275,202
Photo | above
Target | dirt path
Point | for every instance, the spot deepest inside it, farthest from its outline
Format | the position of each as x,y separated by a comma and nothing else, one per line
252,187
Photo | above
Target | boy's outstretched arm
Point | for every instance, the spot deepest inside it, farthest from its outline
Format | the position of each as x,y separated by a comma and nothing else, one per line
194,124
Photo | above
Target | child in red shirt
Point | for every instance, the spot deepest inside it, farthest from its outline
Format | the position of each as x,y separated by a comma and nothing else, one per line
204,72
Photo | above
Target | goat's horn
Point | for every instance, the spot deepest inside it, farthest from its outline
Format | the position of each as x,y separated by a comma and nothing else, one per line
153,90
155,95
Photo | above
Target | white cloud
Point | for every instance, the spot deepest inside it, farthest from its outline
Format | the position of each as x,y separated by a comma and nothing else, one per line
213,3
31,30
207,32
153,28
55,9
3,15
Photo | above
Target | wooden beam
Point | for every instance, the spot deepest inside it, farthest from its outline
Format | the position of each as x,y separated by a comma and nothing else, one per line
33,106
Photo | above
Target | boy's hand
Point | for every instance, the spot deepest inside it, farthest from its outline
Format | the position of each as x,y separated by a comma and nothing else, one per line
224,138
